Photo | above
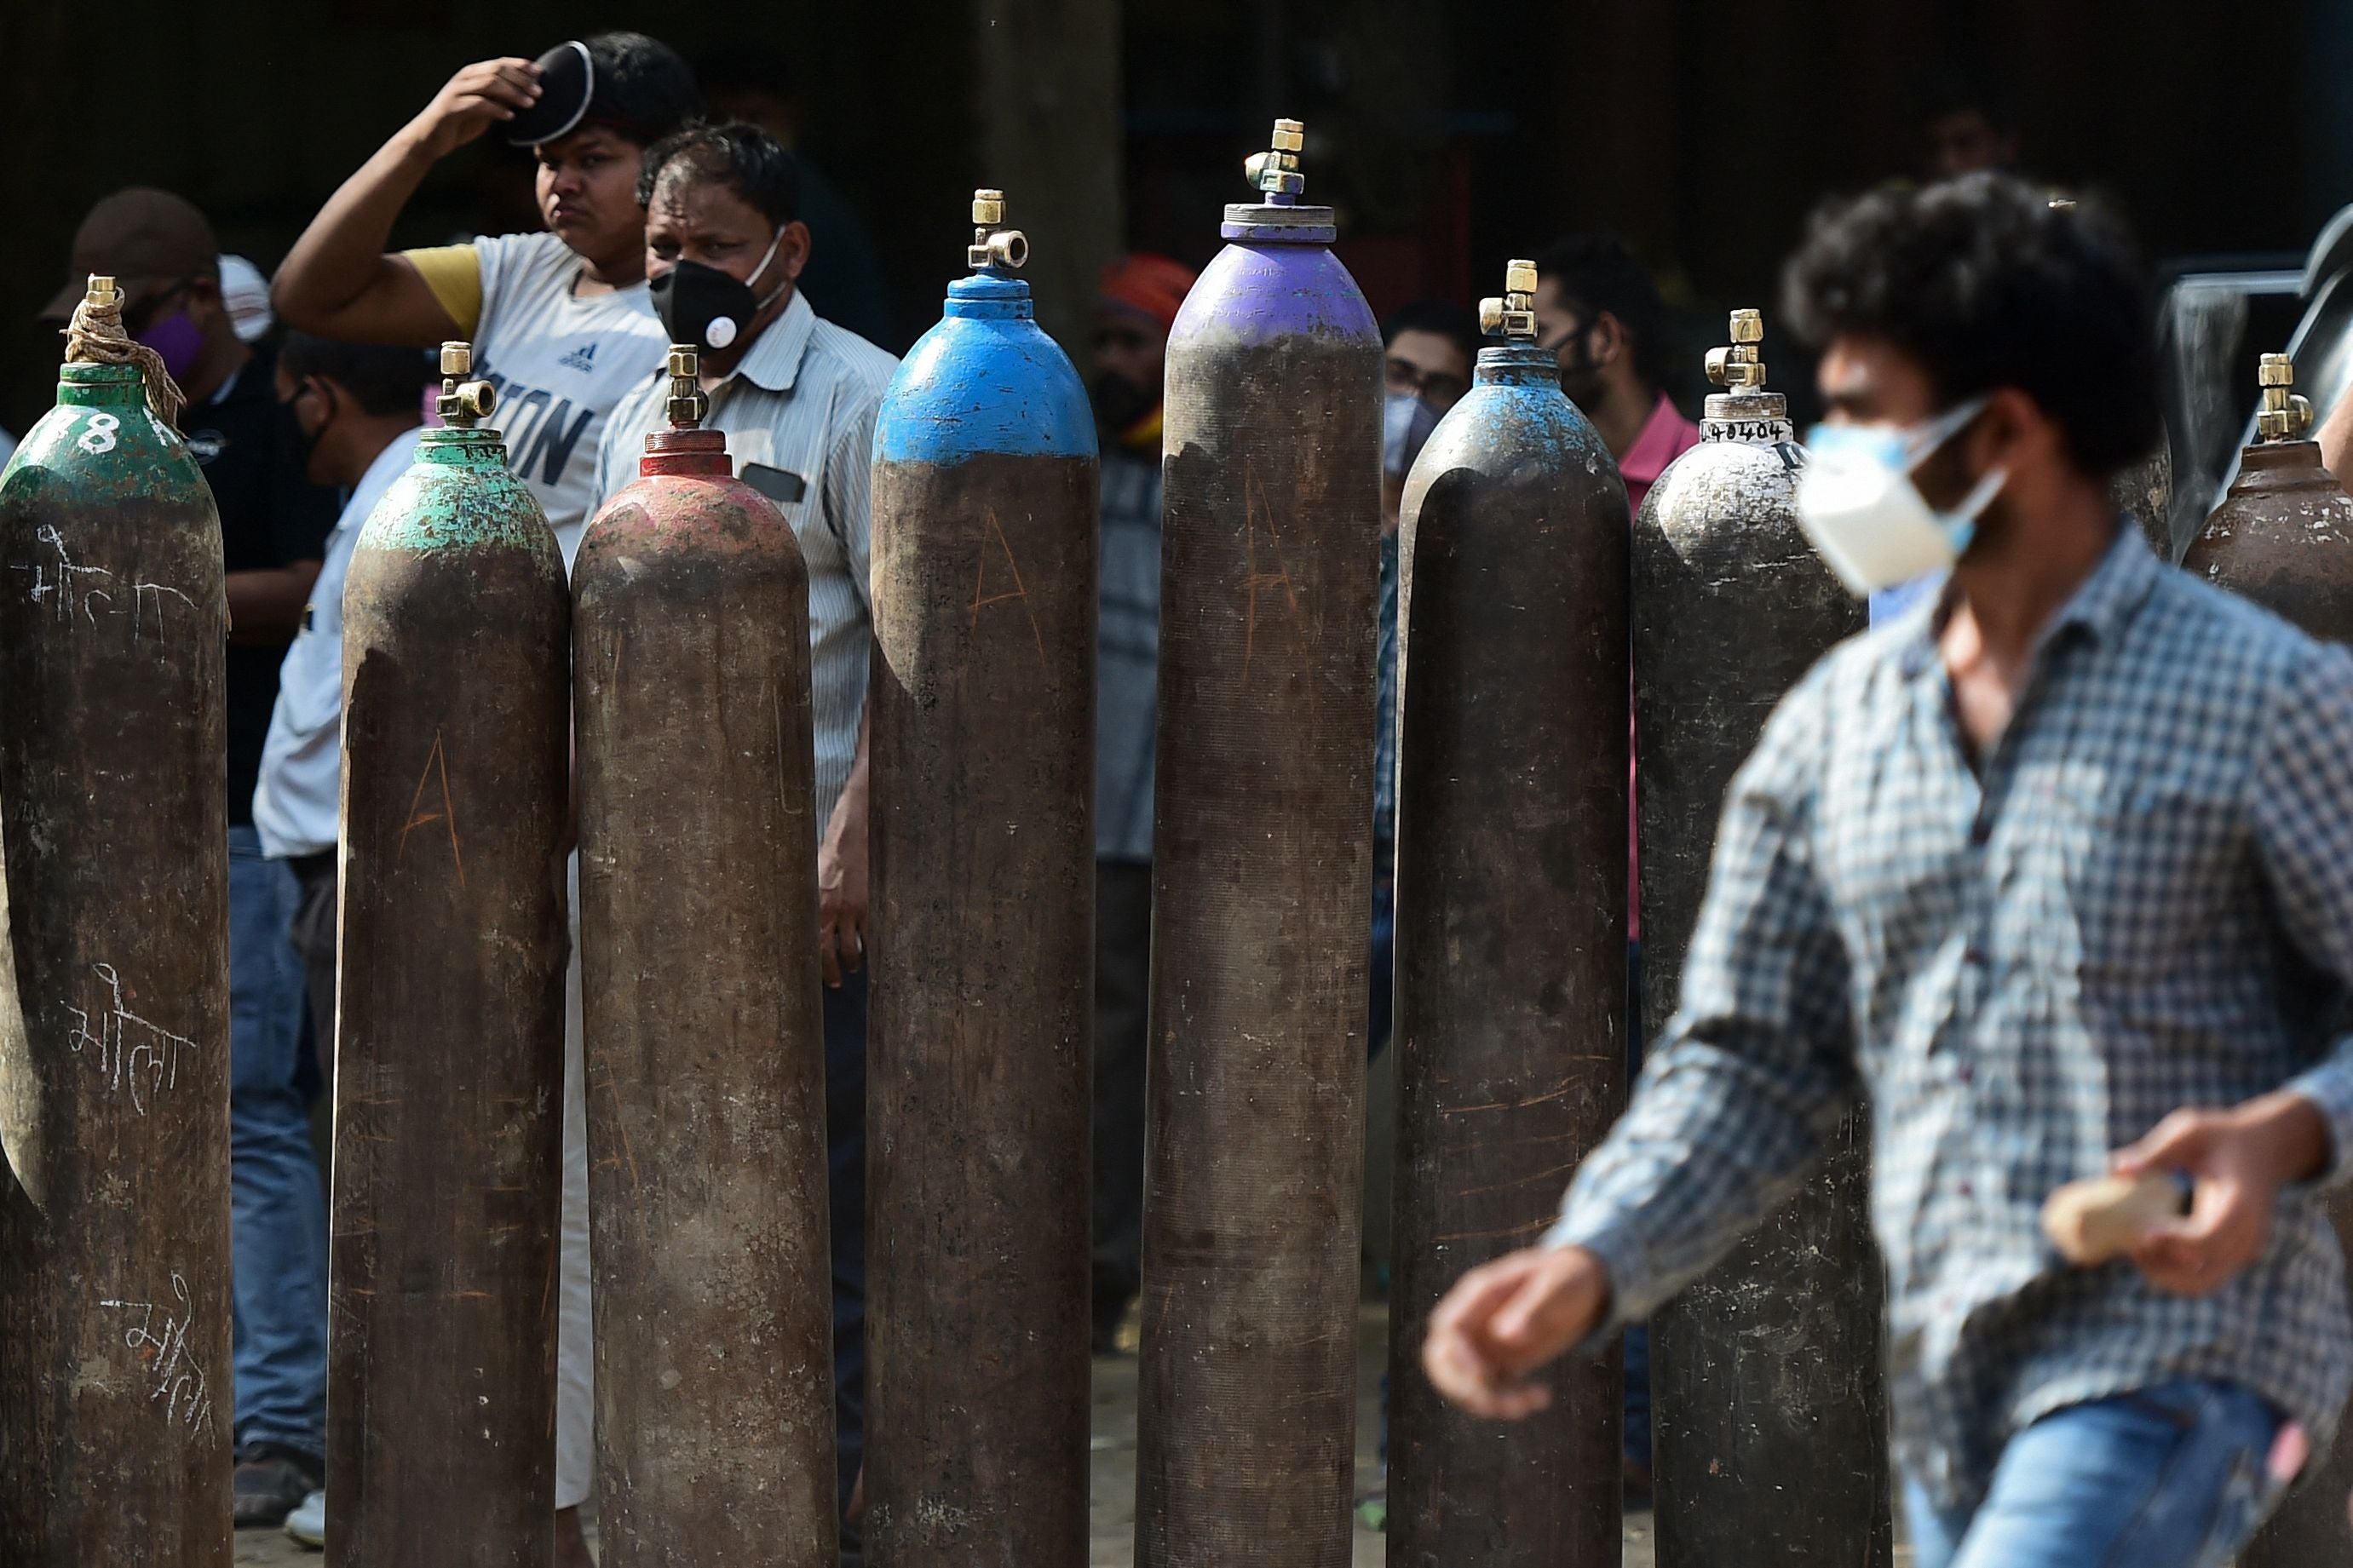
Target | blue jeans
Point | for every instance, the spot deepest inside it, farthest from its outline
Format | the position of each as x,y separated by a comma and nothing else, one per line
2167,1477
277,1209
844,1148
1637,1431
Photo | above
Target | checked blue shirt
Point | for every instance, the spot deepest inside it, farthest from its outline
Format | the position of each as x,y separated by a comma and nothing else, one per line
2141,899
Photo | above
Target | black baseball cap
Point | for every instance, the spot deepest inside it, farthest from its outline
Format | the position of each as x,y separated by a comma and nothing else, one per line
567,81
147,240
636,84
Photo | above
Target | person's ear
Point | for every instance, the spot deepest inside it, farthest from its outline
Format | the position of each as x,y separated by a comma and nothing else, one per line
202,300
792,252
2013,433
1606,338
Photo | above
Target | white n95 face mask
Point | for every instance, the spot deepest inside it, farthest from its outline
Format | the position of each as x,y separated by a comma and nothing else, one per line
1865,516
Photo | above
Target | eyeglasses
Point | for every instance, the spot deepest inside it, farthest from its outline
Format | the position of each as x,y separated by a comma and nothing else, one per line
1568,335
1440,387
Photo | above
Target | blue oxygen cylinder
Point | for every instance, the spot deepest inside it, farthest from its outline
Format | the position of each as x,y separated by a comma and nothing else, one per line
981,1029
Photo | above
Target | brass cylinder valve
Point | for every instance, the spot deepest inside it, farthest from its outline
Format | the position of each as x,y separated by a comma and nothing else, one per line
1276,170
2284,415
101,294
463,404
689,403
994,245
1515,315
1740,367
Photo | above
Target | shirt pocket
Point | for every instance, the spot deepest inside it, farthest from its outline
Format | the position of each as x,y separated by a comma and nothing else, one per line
2149,866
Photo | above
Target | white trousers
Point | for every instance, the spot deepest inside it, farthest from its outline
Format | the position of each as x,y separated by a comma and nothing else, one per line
575,1348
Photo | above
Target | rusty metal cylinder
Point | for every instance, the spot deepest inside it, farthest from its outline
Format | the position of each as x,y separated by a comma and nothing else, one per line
449,1024
701,1029
1511,931
980,1048
116,1400
2144,490
1768,1411
1262,899
2282,537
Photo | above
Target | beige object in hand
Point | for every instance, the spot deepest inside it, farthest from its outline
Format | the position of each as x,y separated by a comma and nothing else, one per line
2102,1217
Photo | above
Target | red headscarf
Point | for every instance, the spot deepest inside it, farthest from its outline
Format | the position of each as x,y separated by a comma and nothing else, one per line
1149,284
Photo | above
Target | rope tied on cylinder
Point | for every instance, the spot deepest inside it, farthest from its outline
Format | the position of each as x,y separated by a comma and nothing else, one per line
96,336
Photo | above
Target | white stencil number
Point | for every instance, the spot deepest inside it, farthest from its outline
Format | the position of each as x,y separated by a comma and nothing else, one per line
98,436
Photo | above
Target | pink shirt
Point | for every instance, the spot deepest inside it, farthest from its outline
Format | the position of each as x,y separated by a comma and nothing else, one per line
1665,435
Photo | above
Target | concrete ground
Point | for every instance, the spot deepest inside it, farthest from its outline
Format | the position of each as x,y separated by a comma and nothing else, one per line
1114,1467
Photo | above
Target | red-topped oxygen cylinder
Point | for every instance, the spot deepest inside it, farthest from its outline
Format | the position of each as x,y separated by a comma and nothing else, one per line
702,1028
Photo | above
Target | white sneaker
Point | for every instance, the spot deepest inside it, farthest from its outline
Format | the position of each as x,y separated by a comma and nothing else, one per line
307,1523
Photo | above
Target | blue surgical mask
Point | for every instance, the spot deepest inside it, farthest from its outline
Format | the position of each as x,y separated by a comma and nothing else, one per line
1865,516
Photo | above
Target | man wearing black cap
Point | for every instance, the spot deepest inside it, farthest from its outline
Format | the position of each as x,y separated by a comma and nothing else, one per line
561,325
162,253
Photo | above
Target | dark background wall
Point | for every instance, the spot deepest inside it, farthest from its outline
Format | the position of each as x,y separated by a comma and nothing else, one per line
1449,135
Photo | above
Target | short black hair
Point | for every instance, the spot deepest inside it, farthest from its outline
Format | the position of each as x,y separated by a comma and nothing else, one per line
642,88
742,157
1988,281
1598,272
1458,323
381,380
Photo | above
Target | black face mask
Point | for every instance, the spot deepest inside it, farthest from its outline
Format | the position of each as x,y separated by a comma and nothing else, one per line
1580,377
1120,403
701,305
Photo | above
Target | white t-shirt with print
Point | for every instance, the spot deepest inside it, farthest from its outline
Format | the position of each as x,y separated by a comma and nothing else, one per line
560,362
300,792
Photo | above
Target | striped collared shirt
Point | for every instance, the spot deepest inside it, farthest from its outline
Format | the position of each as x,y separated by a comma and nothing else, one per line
2141,899
1127,656
798,413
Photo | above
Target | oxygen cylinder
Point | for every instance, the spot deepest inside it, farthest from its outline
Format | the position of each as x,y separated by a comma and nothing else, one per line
2283,538
1262,897
1511,937
1769,1415
449,1013
2145,491
979,1051
702,1028
116,1398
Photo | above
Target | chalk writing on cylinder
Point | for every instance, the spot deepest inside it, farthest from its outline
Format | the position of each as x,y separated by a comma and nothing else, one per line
131,1053
174,1380
86,591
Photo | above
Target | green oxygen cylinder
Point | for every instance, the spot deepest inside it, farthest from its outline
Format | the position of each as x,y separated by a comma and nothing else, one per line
449,1026
115,1398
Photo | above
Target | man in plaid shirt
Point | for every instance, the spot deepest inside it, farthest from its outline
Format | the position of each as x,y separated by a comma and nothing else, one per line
2057,870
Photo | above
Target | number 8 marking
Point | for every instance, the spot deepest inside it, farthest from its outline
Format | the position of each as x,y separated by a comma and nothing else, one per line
99,437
